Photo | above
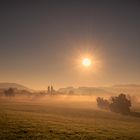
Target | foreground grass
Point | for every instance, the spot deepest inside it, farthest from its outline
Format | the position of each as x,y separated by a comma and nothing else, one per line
37,121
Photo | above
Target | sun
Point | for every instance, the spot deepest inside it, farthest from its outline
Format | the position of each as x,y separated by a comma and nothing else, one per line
86,62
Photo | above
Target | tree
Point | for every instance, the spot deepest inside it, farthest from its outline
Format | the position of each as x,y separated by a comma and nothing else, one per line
71,92
52,90
102,103
120,104
48,90
9,92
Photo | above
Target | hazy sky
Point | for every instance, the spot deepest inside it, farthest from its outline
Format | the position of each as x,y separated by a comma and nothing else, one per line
41,42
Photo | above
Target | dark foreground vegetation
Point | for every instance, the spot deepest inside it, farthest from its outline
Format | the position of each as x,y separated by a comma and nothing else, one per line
119,104
29,115
56,118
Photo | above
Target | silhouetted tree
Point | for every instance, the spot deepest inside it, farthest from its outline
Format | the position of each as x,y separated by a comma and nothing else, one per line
48,90
120,104
102,103
71,92
52,90
9,92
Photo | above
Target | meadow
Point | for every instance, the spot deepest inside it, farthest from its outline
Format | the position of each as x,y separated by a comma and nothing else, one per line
66,118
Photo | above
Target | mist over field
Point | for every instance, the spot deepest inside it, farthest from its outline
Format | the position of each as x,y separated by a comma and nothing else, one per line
67,114
65,117
82,97
69,70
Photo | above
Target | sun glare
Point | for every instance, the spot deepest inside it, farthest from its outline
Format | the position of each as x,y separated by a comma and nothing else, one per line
86,62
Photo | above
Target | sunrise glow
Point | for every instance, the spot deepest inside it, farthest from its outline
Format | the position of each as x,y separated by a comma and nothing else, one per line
86,62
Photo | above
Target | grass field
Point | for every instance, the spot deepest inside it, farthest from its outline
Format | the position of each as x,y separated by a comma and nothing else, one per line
63,120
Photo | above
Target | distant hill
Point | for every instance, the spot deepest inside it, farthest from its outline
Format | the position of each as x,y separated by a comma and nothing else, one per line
85,91
131,89
13,85
127,85
110,90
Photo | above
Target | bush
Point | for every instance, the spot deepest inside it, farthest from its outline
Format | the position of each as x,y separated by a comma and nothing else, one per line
9,92
119,104
102,103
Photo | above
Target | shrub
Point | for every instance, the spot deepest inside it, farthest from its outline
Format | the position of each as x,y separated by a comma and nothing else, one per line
119,104
9,92
102,103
